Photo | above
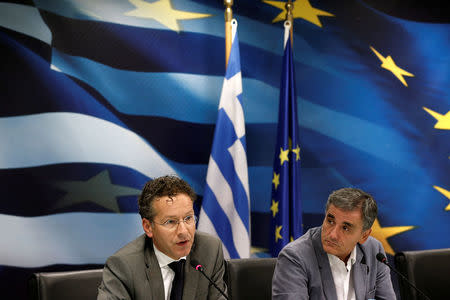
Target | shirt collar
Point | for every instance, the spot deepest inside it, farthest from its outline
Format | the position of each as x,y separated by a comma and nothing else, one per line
162,258
352,257
335,260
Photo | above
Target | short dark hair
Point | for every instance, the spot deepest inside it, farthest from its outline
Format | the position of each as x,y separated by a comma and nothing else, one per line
351,198
169,185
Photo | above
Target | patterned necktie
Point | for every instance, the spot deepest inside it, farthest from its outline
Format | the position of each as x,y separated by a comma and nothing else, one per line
178,281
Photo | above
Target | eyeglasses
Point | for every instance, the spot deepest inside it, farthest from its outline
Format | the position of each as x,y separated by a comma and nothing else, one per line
173,223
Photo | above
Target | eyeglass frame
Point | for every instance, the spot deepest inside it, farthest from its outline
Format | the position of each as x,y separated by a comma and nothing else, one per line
177,222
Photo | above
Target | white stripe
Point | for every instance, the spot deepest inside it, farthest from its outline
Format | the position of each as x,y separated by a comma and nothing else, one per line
206,225
237,152
24,19
222,191
54,138
229,102
73,238
234,25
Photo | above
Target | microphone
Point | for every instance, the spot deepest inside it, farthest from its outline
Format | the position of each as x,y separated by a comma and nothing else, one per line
196,265
381,258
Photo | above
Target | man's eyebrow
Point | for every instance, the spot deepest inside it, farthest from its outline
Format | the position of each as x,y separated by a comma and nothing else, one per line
174,216
348,224
329,215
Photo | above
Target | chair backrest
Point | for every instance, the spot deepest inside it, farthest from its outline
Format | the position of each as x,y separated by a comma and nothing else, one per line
70,285
250,278
428,270
247,279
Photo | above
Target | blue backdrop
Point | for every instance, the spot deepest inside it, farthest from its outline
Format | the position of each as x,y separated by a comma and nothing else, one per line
100,96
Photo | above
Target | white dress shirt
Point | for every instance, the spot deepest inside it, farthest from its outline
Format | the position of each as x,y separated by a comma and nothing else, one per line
167,273
342,276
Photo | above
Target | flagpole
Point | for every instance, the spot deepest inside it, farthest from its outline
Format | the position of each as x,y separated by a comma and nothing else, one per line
228,18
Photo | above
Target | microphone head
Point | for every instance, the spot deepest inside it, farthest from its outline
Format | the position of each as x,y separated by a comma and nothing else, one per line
381,257
196,265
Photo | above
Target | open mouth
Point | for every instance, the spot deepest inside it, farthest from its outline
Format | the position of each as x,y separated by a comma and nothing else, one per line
182,243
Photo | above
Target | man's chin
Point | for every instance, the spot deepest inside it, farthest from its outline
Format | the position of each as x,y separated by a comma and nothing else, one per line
329,249
184,249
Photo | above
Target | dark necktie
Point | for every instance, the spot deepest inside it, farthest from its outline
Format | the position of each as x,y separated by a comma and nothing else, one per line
178,281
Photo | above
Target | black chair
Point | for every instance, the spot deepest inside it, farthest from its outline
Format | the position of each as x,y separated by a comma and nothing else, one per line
250,278
428,270
70,285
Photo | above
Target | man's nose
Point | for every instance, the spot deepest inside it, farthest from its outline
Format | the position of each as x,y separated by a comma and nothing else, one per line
334,233
182,227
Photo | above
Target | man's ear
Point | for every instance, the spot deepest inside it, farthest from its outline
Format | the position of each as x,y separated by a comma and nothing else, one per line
365,236
147,226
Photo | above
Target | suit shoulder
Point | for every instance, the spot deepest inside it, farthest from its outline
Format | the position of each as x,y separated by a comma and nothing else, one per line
371,247
134,247
207,249
372,243
301,245
203,238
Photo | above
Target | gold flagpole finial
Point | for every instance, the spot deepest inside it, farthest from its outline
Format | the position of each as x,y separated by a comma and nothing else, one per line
289,7
228,17
290,18
228,11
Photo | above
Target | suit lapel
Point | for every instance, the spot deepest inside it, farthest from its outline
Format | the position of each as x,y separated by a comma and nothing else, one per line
360,274
153,272
328,286
191,279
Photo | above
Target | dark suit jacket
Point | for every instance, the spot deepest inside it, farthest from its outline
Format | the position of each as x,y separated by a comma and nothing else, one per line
133,272
303,271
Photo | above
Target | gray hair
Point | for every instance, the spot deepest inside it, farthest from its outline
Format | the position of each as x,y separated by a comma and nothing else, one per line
352,198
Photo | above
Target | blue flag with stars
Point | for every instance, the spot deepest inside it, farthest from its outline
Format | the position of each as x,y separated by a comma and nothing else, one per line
286,202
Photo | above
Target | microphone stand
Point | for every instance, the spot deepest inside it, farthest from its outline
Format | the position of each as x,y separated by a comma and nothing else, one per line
200,269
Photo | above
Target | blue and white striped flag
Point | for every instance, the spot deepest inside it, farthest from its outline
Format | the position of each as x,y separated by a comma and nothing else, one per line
225,208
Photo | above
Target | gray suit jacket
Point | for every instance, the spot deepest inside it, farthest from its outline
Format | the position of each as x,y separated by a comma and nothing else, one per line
133,272
303,271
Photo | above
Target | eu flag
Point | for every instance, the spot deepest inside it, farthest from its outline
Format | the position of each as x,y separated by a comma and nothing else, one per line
286,204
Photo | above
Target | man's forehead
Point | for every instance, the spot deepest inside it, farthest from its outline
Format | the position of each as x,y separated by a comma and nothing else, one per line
173,205
170,199
345,216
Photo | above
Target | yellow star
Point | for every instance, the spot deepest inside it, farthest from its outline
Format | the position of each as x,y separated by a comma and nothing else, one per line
292,238
302,9
297,152
163,12
443,120
276,179
277,233
283,156
97,189
274,208
445,193
389,64
383,233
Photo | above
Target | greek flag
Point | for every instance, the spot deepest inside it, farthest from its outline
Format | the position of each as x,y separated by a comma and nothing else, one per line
225,208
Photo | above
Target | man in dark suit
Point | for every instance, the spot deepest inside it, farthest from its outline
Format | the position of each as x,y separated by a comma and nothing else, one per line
146,267
337,260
